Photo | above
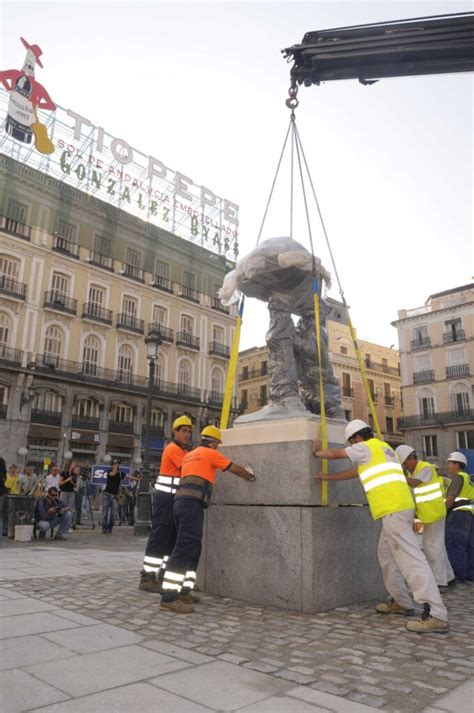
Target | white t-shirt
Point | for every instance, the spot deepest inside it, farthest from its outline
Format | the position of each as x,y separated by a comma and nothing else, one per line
425,474
359,453
52,481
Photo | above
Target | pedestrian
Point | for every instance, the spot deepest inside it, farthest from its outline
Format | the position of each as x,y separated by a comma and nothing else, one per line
131,493
110,498
12,482
28,481
460,520
52,480
3,492
193,494
390,500
430,509
67,484
162,537
122,505
50,513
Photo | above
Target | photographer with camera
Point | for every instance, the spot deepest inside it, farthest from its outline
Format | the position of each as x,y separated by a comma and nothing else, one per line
67,485
110,498
50,513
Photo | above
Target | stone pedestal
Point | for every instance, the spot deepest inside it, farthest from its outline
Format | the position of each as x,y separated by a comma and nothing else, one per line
271,542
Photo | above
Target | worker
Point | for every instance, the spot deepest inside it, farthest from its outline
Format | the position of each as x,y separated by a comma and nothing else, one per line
430,510
460,520
162,537
390,500
198,475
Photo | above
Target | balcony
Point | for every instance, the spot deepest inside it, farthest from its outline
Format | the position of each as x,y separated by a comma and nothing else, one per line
348,391
130,322
58,301
12,288
120,426
388,400
252,374
3,410
93,311
218,349
162,283
189,293
436,419
215,398
46,418
133,272
100,260
14,227
65,247
451,337
167,334
423,377
422,343
186,339
457,371
167,388
10,356
217,305
87,424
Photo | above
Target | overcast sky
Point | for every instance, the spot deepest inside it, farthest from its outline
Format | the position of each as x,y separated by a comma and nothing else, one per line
201,86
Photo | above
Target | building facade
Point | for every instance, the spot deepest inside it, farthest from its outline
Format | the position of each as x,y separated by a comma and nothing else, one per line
437,368
382,369
81,284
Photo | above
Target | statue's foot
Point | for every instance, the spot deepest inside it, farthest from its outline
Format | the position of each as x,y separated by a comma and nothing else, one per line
291,407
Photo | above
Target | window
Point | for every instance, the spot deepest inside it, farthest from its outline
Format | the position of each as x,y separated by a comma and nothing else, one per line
90,355
157,418
133,257
420,334
218,335
217,381
430,446
245,398
9,267
389,422
245,372
426,405
348,415
368,361
263,368
262,395
422,362
67,230
465,439
184,375
159,369
456,356
384,365
371,421
372,389
86,408
121,413
162,269
460,398
5,326
188,279
17,211
3,395
387,390
102,245
343,349
53,341
346,384
59,286
160,315
453,329
187,324
125,363
48,401
129,306
96,295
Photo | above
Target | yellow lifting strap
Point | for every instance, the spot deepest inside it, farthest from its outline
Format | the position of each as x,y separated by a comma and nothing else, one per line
364,376
324,432
232,369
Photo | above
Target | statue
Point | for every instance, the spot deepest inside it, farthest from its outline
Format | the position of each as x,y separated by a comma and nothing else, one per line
279,272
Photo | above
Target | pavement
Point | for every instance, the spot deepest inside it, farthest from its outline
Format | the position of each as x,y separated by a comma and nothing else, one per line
78,636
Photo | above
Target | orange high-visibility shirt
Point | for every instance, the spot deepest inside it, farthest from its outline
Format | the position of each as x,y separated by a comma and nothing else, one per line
204,462
172,459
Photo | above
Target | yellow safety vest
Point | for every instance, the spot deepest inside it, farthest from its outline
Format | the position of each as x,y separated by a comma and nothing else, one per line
429,501
384,482
466,494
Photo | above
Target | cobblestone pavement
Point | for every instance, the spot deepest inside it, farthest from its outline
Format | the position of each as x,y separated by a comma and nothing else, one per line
350,652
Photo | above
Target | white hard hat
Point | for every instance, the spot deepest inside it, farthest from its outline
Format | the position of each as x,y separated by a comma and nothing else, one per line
354,427
457,457
403,452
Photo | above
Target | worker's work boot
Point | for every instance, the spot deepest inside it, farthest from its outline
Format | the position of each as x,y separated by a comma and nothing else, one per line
189,598
149,582
177,606
392,607
427,624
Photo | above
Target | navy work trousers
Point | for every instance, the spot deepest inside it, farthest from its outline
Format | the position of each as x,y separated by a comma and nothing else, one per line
460,543
162,537
189,518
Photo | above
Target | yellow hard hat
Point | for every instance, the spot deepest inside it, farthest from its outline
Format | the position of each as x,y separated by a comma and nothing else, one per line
182,421
212,432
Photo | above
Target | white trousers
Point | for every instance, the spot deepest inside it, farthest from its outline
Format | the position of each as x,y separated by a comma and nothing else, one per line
435,550
403,563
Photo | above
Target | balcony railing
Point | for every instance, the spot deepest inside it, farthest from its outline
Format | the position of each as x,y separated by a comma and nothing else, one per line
162,283
456,371
436,419
219,349
215,397
167,334
252,374
3,410
47,418
57,300
422,343
10,356
91,310
12,288
217,304
130,322
134,272
388,400
100,260
189,293
66,247
457,336
87,424
423,377
167,388
14,227
347,391
120,426
187,339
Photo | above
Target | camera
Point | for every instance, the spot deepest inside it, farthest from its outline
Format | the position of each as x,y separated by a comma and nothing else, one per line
59,510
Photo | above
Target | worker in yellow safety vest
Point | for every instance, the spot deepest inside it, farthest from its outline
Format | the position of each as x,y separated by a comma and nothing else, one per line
460,520
430,509
390,501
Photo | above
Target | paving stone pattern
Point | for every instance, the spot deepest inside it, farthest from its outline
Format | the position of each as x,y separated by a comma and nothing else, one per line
350,652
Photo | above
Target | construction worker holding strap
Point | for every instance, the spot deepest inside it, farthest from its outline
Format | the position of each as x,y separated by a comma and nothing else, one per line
162,537
390,500
198,475
430,510
460,521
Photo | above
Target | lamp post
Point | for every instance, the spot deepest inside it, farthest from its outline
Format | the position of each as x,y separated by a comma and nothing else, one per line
142,526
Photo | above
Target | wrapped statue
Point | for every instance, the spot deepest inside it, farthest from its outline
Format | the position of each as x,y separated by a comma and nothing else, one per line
279,271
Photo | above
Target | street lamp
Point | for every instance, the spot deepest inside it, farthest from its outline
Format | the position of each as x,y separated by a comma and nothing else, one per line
153,342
